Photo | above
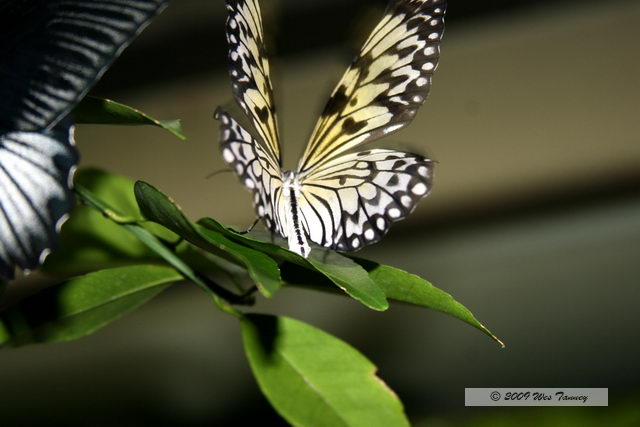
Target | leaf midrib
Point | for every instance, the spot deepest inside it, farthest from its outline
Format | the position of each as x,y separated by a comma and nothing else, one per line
119,296
312,386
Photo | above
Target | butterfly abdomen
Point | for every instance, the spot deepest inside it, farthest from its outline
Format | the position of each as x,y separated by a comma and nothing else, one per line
292,227
295,220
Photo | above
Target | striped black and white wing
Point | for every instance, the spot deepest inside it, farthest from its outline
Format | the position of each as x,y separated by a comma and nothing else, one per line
257,169
386,83
249,71
53,51
36,169
352,200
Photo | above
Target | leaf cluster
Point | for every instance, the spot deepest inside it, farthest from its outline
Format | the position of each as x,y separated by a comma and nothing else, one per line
126,242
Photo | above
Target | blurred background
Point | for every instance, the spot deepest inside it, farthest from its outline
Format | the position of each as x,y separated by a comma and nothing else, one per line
533,223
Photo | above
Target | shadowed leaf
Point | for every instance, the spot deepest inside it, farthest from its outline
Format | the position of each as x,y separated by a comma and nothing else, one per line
159,208
82,305
88,240
342,271
314,379
93,110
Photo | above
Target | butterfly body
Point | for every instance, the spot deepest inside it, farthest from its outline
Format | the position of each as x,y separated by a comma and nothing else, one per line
293,229
337,197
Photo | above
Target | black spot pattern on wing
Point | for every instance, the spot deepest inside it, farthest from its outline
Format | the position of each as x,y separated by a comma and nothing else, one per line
353,200
351,127
346,200
386,83
249,70
255,167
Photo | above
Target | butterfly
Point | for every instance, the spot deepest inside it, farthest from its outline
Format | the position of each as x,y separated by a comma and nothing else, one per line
337,197
52,52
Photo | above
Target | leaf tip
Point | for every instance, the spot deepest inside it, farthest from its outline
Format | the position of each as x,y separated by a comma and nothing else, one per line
174,126
384,306
493,337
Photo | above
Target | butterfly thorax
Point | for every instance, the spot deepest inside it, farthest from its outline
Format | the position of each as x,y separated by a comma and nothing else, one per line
292,226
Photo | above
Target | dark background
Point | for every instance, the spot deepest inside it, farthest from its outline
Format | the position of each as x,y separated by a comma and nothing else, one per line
533,224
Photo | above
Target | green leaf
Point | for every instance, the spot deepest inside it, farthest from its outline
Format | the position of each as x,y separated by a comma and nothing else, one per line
257,240
397,284
93,110
402,286
342,271
350,277
314,379
262,269
82,305
5,335
220,295
159,208
114,190
88,240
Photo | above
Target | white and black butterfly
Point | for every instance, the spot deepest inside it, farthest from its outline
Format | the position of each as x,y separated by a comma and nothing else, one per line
52,52
337,198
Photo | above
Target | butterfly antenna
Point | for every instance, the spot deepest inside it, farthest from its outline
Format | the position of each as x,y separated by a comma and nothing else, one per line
212,174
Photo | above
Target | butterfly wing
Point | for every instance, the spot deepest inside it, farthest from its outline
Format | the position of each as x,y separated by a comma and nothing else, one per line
346,200
249,71
386,83
35,176
353,199
53,51
257,169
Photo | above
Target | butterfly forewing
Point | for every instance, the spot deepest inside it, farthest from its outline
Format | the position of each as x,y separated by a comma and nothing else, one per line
386,83
257,169
352,200
249,70
53,51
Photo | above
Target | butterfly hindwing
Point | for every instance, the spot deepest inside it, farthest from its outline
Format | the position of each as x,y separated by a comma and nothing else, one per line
352,201
249,70
35,177
386,83
257,169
